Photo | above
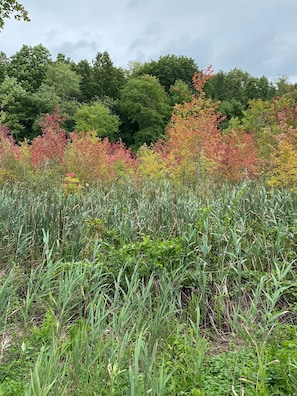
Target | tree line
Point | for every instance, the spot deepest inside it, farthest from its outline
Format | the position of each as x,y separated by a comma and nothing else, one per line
133,105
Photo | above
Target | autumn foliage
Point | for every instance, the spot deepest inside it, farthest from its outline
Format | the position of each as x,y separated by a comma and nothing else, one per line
9,154
237,157
92,158
194,148
283,159
8,149
49,147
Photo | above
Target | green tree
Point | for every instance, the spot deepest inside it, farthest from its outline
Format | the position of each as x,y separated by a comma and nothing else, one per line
168,69
12,7
262,120
3,65
227,86
96,117
231,109
61,87
29,66
235,90
16,107
133,69
85,71
46,99
107,80
180,92
259,88
145,110
285,88
240,86
64,80
61,58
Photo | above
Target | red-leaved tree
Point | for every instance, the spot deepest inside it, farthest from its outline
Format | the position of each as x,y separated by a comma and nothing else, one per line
237,157
120,159
49,147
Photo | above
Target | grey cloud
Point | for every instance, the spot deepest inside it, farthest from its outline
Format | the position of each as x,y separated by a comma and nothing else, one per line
76,50
201,49
258,36
132,4
147,38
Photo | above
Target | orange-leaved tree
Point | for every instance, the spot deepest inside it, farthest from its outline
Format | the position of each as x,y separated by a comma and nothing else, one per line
95,160
193,134
86,155
196,149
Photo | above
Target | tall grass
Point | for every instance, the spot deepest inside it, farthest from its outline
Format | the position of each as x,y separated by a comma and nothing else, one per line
147,290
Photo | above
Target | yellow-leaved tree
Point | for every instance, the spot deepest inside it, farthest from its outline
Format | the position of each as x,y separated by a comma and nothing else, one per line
284,159
284,173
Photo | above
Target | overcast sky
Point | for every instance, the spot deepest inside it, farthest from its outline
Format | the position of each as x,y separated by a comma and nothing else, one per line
257,36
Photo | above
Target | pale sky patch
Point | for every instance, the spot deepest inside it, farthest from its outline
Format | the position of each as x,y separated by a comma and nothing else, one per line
257,36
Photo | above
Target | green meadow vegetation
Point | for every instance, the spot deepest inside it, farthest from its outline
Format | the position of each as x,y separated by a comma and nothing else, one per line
148,289
163,267
148,228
